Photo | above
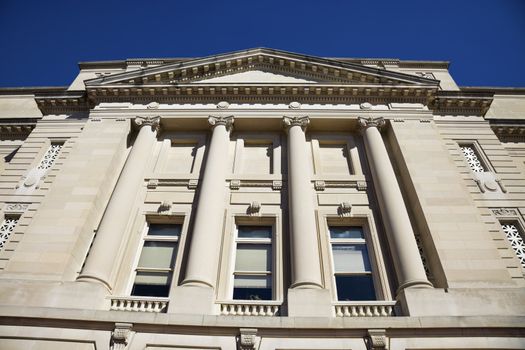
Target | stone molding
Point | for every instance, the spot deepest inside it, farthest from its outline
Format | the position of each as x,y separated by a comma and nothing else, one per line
377,339
303,122
121,336
15,208
505,212
248,339
153,122
220,120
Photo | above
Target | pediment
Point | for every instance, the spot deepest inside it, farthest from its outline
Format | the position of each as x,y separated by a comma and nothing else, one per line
260,66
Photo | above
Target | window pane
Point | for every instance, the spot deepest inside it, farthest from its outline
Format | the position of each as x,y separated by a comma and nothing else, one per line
252,288
155,284
253,257
355,288
158,254
346,232
164,230
350,257
255,232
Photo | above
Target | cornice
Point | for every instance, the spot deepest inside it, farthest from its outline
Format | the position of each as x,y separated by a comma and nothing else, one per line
461,102
58,102
509,131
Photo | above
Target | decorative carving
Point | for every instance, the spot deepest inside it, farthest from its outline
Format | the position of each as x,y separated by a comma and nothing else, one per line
501,185
17,208
223,105
303,122
376,339
153,105
344,209
277,185
121,336
516,240
49,158
153,122
319,185
361,185
472,159
294,105
365,105
235,184
7,227
480,185
164,207
365,123
254,208
427,75
248,339
218,120
491,185
505,212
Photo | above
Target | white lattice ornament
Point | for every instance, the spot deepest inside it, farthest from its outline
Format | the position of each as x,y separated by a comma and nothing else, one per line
8,225
472,159
516,241
50,157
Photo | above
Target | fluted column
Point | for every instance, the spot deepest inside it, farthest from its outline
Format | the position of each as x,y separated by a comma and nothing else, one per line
104,254
306,266
206,238
407,261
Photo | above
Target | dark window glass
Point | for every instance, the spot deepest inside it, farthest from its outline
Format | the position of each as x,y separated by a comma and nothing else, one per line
164,230
355,287
255,232
346,232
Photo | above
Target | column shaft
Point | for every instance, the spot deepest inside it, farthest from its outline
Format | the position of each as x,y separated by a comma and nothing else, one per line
407,261
306,266
206,238
103,258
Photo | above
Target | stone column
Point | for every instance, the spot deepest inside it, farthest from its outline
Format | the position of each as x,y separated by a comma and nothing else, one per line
306,266
196,293
407,261
206,238
104,255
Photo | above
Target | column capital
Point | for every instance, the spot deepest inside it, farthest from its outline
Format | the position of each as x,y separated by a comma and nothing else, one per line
303,122
365,123
219,120
153,122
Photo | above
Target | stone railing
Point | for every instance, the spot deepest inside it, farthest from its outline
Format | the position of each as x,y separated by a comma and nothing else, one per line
364,309
140,304
249,308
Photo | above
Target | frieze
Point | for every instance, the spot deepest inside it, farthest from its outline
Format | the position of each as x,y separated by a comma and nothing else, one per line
505,212
15,208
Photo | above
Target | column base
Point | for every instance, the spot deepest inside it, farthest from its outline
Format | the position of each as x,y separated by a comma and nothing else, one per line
192,300
309,303
414,284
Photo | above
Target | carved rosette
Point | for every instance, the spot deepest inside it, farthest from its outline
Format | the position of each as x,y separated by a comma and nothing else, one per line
218,120
289,122
153,122
365,123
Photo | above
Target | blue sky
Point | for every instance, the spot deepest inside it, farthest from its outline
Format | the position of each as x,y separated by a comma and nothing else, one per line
41,41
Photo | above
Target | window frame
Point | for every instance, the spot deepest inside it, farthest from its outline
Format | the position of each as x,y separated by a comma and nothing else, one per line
180,240
484,161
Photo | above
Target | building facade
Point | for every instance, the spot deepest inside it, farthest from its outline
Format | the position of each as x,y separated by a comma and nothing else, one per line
262,199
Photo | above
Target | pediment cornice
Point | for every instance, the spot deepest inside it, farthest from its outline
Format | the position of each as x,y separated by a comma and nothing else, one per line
308,67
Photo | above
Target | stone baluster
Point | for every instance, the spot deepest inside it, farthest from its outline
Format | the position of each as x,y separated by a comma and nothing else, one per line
401,239
105,253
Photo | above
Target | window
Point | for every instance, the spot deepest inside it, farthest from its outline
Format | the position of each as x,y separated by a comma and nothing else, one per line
8,225
352,270
154,270
514,235
50,156
473,158
252,276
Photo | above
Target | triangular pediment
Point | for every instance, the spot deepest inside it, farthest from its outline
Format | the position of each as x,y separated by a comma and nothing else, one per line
260,66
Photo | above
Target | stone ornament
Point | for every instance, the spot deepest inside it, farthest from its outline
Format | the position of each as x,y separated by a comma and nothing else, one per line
153,105
235,184
164,207
121,336
153,122
344,209
223,105
376,339
365,105
6,228
294,105
516,241
13,208
277,185
248,339
254,208
505,212
365,123
218,120
319,185
303,122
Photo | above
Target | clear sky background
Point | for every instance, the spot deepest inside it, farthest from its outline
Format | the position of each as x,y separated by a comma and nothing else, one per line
41,41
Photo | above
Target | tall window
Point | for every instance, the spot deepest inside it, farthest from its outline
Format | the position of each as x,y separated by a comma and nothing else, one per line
252,276
352,271
6,229
473,158
50,156
156,263
515,236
